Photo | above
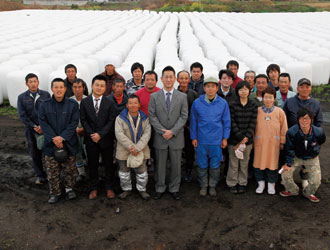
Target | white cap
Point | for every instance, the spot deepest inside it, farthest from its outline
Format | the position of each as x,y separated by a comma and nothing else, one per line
108,62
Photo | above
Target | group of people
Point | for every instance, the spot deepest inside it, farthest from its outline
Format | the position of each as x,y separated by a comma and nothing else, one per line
257,125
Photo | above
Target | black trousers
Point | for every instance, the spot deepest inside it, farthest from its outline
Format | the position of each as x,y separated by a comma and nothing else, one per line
189,150
93,154
35,154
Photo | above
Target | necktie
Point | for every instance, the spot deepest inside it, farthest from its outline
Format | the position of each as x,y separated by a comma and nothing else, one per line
96,106
168,101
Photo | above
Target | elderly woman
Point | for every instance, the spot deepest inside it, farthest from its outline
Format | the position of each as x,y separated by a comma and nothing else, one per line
269,139
243,113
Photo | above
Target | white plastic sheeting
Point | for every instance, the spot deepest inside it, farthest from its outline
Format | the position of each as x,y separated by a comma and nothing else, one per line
44,41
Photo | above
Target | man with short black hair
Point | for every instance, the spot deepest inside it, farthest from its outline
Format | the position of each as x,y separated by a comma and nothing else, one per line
303,142
168,113
97,115
110,74
78,95
273,71
197,78
117,96
59,117
261,84
284,93
133,132
226,91
28,104
71,74
150,82
233,66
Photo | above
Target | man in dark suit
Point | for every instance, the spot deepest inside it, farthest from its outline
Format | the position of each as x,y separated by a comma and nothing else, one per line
97,115
168,113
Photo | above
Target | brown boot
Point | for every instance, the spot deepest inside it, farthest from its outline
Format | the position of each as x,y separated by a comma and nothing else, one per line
110,194
93,195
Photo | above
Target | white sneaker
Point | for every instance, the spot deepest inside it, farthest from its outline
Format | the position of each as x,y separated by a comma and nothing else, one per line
271,188
304,183
261,187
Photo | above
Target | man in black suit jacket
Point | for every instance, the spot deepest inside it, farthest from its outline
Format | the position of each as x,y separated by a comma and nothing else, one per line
97,115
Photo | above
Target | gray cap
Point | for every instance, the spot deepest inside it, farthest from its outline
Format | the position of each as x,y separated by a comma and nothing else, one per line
211,80
304,81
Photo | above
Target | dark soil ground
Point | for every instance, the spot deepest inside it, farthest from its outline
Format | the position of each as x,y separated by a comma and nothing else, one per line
247,221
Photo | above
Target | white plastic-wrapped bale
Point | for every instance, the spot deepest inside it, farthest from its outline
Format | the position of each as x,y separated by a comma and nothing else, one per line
320,69
54,61
4,69
43,70
53,75
298,70
16,85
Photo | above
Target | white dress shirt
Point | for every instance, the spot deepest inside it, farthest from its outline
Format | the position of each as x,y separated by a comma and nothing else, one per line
98,103
165,92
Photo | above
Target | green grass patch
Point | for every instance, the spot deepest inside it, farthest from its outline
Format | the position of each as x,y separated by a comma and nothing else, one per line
7,110
321,92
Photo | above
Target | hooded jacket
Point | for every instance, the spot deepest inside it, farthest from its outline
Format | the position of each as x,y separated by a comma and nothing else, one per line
210,122
125,135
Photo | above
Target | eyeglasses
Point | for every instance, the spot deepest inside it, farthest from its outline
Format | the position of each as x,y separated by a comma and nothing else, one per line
305,118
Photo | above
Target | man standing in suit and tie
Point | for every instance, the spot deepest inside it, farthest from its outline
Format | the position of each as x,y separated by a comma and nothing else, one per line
168,113
97,115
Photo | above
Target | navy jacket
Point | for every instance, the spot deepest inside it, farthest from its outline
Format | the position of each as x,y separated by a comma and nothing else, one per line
118,107
59,119
28,109
197,86
295,143
293,104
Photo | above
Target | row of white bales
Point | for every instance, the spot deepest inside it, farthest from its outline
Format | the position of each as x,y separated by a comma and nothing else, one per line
44,41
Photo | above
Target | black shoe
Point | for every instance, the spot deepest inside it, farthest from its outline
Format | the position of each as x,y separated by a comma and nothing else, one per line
70,195
188,177
233,190
241,189
176,196
158,195
80,178
53,199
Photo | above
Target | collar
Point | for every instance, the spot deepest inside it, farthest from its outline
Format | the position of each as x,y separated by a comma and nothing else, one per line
268,110
182,90
165,91
208,100
100,98
224,92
